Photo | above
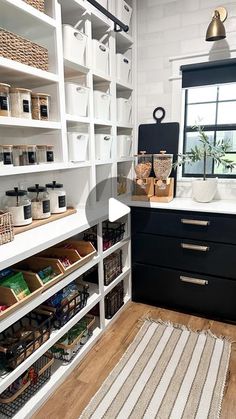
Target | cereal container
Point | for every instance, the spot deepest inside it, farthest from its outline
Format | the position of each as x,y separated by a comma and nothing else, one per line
143,165
40,106
162,164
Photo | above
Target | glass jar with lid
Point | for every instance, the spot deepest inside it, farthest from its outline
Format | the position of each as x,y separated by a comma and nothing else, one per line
5,99
19,205
32,155
7,151
162,164
57,197
40,202
1,155
20,155
45,153
40,106
20,103
143,165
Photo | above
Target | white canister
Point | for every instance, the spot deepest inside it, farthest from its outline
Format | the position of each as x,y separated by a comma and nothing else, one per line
19,205
40,202
57,197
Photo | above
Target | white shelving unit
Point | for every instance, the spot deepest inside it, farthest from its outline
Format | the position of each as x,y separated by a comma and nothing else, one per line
79,178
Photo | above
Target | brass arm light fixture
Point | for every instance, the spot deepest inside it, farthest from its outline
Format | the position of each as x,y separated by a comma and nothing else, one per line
216,29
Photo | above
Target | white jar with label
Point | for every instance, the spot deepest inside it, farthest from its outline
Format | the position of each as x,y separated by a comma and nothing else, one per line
20,102
40,202
57,197
19,205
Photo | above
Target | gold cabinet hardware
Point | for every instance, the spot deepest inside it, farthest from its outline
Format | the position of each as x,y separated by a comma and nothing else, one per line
195,247
202,223
196,281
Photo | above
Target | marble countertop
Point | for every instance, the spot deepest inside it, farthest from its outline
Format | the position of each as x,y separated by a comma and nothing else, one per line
187,204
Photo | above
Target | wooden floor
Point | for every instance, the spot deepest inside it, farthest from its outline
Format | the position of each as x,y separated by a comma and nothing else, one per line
74,394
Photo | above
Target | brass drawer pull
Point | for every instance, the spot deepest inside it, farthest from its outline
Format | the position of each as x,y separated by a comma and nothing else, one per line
195,222
195,247
193,280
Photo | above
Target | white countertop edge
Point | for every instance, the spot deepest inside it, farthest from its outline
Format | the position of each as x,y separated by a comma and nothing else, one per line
222,206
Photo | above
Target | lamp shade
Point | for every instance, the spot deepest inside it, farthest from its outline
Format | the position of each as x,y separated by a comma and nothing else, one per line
216,29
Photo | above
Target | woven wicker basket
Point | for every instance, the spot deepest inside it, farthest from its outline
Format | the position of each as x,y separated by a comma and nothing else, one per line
16,48
38,4
6,227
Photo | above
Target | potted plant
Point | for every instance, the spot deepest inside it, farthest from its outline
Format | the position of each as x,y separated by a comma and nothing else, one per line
204,189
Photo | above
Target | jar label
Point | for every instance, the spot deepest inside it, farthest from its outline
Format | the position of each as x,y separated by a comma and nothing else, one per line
27,212
62,201
46,206
50,156
3,103
44,111
32,157
26,107
7,158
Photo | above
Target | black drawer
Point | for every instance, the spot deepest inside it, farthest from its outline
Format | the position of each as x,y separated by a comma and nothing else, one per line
199,226
210,296
216,259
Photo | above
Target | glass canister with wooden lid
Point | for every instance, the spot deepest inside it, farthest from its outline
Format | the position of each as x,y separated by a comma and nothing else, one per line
20,102
5,99
162,165
40,106
143,165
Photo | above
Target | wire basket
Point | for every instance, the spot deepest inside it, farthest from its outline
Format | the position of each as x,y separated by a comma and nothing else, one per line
38,4
65,311
112,267
114,300
19,392
67,351
6,227
112,234
91,275
14,47
22,338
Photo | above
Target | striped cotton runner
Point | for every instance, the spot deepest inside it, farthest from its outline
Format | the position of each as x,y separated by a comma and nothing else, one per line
167,372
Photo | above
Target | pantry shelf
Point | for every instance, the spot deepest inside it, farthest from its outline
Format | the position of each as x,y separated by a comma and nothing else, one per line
125,159
31,305
72,69
72,6
123,86
59,373
108,322
98,19
115,247
124,40
100,77
15,73
29,123
103,162
101,122
55,336
40,168
120,125
125,272
75,118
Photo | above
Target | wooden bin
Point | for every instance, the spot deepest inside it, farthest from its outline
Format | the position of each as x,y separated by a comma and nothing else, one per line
143,189
38,263
56,253
85,249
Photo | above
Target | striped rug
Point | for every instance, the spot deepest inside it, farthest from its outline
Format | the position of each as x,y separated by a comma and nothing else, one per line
167,372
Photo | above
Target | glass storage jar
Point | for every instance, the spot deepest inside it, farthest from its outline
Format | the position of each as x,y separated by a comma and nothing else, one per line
40,202
7,154
20,103
143,165
45,153
1,155
40,106
20,155
32,156
19,205
57,197
5,99
162,164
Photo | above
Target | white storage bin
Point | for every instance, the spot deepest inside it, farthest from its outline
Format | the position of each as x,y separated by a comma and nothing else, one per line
74,44
103,143
103,3
124,145
102,102
76,99
123,68
78,146
123,11
100,57
124,110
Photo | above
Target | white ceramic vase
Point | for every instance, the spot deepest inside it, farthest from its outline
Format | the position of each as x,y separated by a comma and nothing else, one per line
204,190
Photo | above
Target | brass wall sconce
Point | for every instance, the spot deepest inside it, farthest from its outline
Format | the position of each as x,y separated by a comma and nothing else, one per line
216,29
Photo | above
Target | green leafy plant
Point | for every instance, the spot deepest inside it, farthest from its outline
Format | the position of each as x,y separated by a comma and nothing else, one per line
204,150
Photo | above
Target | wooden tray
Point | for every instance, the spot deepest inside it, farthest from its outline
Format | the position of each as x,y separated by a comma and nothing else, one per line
38,223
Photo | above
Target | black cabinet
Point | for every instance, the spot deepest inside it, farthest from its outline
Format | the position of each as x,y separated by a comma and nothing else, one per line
185,260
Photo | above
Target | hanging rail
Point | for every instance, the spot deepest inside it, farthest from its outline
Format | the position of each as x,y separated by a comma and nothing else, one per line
118,25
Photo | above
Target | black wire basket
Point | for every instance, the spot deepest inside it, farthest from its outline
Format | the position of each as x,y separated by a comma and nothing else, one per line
114,300
112,267
112,233
22,338
19,392
64,312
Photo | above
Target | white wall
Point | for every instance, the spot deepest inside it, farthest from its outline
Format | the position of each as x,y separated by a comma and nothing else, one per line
168,28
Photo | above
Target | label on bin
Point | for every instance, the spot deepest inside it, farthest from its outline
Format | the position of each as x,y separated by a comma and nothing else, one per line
46,206
26,107
3,103
62,201
27,212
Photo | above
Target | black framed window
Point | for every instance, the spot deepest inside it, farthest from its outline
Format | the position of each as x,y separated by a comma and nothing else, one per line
214,107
